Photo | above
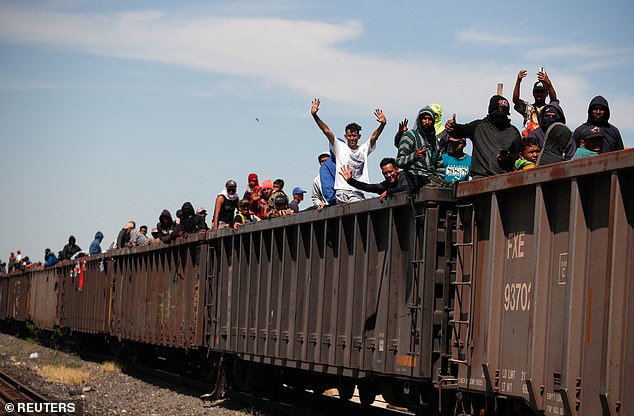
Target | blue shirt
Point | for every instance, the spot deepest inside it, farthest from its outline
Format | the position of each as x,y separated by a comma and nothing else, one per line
456,169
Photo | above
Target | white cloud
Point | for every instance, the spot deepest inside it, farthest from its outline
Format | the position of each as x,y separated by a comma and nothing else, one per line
298,55
500,39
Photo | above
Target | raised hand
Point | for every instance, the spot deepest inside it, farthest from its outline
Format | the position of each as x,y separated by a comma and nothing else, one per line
380,117
315,106
346,172
402,126
449,125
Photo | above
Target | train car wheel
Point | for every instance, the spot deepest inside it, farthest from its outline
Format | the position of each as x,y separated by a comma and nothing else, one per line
345,389
367,392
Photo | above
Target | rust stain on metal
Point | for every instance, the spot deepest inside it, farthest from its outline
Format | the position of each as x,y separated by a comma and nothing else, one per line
406,361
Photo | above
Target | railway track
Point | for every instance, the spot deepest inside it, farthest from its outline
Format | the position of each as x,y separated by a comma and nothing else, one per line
18,399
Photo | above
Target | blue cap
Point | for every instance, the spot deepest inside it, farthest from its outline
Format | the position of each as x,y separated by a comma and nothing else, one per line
298,190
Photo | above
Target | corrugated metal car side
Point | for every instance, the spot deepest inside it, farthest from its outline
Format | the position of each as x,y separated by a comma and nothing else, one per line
548,306
333,291
44,298
84,309
18,294
4,295
156,296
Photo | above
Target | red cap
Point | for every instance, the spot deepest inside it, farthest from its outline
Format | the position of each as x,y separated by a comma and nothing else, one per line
253,177
267,184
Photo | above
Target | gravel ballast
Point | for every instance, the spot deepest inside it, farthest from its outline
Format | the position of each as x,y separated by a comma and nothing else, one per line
105,391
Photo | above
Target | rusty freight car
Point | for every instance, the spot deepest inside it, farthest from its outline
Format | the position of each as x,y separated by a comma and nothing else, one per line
543,311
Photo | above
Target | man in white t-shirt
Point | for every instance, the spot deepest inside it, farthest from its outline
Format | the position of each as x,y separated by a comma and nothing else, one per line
349,153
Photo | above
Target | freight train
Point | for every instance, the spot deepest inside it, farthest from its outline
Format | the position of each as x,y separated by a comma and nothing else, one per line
506,295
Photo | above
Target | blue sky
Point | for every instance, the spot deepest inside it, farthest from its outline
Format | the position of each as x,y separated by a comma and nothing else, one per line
111,111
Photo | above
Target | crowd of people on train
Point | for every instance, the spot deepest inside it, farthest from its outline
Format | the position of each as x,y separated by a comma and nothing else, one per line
429,153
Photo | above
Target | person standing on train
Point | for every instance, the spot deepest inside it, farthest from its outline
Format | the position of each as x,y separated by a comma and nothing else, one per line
418,151
531,112
395,180
95,246
260,200
123,238
298,197
496,142
71,248
253,184
590,143
456,162
598,116
350,153
226,204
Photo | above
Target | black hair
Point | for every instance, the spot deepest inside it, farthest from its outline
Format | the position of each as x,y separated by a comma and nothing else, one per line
279,182
353,127
387,161
528,142
143,226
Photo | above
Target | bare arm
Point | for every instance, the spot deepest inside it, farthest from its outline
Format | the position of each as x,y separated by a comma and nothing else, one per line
320,123
217,211
542,76
380,117
516,91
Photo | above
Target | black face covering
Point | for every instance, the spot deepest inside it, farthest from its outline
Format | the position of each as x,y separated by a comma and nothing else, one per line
548,120
499,119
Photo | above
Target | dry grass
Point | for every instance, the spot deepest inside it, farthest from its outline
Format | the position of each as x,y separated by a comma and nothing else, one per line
62,374
110,367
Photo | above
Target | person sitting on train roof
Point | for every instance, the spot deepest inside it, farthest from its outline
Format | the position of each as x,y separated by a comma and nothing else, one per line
71,248
541,89
3,267
317,195
590,143
281,208
243,216
95,246
278,188
138,239
598,116
202,213
226,204
551,113
327,176
529,152
252,184
298,197
50,259
260,200
495,140
350,154
395,180
557,136
418,152
456,162
123,238
190,223
165,226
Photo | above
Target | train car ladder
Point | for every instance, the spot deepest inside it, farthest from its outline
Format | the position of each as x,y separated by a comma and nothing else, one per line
462,280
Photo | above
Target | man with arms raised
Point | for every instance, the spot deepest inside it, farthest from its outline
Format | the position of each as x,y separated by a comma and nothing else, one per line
350,153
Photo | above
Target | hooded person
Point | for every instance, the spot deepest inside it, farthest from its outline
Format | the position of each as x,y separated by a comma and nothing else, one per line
599,116
551,113
557,136
166,224
418,153
95,246
495,140
190,222
253,184
442,137
50,259
71,248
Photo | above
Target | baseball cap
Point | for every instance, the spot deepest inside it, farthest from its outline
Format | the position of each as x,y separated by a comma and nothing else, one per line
298,190
540,86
